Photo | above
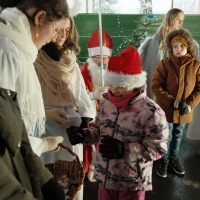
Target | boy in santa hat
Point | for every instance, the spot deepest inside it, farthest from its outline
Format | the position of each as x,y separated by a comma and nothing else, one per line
131,129
92,75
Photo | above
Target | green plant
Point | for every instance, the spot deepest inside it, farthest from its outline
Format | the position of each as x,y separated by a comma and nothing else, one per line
141,32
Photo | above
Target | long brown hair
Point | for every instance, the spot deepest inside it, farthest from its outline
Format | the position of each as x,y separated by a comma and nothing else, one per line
166,27
72,39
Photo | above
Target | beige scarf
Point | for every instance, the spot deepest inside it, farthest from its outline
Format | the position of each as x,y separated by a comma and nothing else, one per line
55,78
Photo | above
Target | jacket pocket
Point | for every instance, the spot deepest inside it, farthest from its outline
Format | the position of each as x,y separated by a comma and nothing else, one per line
145,171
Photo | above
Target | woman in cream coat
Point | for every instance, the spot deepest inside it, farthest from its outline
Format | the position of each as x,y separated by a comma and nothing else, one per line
23,30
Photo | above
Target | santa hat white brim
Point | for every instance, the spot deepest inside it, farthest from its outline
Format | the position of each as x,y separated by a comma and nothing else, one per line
125,80
97,51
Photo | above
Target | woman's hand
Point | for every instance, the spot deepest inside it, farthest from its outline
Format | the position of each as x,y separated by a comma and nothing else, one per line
58,115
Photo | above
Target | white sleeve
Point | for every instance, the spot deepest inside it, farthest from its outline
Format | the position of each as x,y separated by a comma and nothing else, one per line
83,101
143,48
9,65
91,95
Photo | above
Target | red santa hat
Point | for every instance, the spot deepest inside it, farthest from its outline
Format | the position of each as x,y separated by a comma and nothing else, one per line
94,44
124,70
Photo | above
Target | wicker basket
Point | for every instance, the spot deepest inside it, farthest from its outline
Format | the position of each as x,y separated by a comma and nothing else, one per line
69,174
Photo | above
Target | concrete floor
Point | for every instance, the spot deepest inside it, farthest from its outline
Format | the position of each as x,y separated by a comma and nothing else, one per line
173,187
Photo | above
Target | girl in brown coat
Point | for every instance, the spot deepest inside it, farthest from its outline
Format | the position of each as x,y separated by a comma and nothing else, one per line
176,85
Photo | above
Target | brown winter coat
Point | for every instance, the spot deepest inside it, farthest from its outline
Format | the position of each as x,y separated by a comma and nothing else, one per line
22,173
176,78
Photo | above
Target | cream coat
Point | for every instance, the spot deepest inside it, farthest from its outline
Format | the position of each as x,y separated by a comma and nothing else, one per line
17,54
149,53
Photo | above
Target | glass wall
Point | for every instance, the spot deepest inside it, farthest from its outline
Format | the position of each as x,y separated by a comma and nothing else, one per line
136,6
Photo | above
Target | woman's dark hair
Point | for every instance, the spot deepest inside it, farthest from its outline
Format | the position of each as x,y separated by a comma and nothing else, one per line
188,37
55,9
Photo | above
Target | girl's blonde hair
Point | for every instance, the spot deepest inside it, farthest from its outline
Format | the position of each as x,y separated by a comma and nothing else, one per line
166,26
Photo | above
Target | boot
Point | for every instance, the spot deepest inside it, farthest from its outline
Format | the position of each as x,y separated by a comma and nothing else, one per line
162,169
176,166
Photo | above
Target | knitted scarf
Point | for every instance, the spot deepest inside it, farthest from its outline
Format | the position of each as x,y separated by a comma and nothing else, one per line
55,78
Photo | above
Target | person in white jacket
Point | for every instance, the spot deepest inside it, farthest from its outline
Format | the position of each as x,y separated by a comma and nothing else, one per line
63,88
25,26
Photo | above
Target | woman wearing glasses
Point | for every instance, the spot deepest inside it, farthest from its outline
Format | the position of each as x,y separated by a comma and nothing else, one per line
25,26
63,89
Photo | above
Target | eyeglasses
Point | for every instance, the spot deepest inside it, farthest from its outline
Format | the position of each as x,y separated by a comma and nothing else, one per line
63,32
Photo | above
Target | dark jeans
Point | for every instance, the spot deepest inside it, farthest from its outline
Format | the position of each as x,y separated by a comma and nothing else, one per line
174,140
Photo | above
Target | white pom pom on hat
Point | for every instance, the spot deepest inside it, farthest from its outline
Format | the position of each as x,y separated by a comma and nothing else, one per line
124,70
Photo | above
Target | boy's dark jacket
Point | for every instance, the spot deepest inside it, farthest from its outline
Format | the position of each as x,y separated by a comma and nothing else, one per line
22,172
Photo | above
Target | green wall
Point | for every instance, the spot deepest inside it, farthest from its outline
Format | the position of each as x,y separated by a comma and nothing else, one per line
122,26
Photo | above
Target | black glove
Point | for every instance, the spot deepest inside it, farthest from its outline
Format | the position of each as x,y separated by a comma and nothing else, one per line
76,135
51,190
184,108
85,122
111,148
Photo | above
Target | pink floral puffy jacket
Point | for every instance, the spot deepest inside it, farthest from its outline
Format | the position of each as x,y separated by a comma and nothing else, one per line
144,131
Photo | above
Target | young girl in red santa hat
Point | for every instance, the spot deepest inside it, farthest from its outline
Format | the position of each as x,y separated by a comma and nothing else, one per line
131,129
